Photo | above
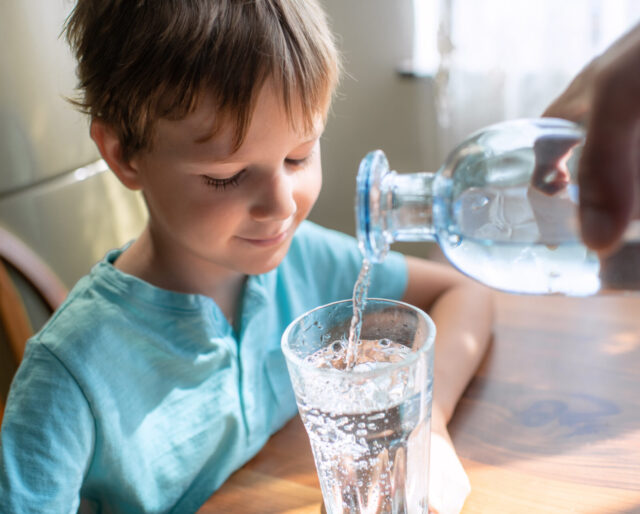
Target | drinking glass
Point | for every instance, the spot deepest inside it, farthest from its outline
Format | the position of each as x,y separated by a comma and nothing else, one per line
369,425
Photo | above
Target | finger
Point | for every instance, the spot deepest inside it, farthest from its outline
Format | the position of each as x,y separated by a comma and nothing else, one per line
607,177
550,172
608,170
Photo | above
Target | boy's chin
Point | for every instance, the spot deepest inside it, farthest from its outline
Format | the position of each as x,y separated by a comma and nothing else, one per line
265,266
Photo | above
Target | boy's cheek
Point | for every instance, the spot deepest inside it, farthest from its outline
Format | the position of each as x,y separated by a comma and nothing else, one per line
309,190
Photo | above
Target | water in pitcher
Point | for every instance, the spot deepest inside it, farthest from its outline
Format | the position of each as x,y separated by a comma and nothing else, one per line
519,239
372,441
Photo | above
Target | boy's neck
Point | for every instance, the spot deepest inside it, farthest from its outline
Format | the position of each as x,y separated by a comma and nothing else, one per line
159,266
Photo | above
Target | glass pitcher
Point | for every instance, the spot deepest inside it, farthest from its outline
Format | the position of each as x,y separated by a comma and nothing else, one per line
503,209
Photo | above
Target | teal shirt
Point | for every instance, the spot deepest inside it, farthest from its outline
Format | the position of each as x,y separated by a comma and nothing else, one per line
138,399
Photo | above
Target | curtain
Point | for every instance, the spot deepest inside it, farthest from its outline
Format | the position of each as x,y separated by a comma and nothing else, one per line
504,59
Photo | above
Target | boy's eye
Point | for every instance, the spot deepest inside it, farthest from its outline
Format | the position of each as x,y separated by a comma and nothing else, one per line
223,183
297,162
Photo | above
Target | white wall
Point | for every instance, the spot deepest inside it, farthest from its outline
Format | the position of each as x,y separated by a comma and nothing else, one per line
375,107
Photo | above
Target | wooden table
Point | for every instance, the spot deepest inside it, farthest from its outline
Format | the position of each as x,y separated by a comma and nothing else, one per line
550,423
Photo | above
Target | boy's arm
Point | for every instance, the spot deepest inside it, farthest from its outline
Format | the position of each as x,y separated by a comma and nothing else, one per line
46,439
462,311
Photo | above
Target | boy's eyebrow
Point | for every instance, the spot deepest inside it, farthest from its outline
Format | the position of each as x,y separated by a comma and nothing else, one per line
313,139
210,133
226,157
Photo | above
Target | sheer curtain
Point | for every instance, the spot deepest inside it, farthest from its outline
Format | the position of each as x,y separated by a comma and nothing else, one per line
502,59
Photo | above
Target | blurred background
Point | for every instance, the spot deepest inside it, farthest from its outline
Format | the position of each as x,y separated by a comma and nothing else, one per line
420,76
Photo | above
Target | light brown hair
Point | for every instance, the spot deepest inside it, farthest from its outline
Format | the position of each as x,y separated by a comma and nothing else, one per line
141,60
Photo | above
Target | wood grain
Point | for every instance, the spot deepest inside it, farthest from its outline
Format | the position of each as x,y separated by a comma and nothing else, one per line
16,324
13,315
261,492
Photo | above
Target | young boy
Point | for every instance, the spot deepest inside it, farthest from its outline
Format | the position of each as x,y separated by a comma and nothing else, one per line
162,372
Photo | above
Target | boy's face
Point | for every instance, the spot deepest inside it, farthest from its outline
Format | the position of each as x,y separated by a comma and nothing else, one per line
232,211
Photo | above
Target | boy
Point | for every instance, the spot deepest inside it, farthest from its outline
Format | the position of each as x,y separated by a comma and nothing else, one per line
162,372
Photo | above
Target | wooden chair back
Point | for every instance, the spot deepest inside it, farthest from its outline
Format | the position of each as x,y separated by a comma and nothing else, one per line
21,271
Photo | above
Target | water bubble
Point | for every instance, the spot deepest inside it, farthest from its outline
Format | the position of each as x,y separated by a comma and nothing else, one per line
337,346
479,202
384,342
454,240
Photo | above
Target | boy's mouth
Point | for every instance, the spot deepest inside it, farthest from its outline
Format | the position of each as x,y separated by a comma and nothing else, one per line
268,241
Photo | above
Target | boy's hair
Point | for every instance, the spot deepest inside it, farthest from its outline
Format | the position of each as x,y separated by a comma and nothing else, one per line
141,60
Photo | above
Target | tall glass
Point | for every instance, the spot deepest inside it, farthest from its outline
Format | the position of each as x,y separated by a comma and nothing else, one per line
370,425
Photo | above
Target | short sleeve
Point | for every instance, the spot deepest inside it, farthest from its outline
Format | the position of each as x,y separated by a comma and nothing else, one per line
47,437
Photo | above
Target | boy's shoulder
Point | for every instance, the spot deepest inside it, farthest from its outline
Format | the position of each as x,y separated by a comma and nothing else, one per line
105,306
112,325
80,318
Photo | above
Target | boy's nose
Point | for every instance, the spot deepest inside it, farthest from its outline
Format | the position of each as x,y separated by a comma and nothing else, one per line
275,199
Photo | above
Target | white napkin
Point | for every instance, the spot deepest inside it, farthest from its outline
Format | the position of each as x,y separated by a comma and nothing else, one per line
448,483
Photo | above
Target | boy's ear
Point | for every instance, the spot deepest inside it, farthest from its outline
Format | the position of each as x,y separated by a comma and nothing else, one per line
111,150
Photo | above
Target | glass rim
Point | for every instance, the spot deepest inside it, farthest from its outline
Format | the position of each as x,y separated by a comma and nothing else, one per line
411,357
